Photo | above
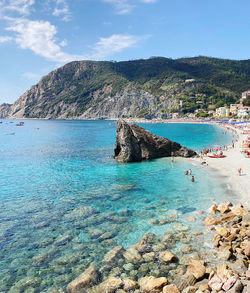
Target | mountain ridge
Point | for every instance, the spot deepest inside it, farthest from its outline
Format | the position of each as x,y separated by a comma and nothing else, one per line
138,88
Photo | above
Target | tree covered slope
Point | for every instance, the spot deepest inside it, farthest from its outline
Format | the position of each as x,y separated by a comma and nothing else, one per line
138,88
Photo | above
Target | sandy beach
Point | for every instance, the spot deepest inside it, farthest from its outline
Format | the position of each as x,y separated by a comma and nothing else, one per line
229,166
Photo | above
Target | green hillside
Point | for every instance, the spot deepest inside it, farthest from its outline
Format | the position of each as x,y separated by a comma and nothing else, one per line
80,87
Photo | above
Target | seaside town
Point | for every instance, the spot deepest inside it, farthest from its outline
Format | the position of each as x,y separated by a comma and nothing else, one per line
237,111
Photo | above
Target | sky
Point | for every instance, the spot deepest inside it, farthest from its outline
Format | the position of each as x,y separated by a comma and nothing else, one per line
38,36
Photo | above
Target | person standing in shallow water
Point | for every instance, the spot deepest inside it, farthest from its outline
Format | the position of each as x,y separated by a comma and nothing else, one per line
190,172
186,172
192,179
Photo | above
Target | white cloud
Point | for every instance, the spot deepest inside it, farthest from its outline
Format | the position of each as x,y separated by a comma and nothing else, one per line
113,44
121,6
4,39
62,10
39,37
22,7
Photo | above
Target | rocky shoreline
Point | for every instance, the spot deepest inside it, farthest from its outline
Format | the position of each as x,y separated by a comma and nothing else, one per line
150,266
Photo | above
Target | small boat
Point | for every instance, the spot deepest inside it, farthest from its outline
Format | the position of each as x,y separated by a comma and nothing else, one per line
20,124
11,133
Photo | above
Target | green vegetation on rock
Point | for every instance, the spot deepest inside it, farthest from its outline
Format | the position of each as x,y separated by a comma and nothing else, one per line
138,88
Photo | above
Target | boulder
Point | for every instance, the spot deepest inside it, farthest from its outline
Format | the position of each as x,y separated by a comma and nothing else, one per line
129,284
239,211
222,231
215,283
134,144
80,213
223,272
248,274
209,221
224,207
167,256
84,281
197,269
190,289
170,289
108,286
132,255
151,284
229,283
247,249
237,288
184,281
113,255
213,209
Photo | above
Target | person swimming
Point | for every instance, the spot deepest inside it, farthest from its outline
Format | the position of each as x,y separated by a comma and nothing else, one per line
190,172
186,172
192,179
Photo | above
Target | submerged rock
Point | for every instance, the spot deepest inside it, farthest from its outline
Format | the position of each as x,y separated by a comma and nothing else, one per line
84,281
134,144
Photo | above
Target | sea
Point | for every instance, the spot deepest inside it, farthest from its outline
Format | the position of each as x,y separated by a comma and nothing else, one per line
65,202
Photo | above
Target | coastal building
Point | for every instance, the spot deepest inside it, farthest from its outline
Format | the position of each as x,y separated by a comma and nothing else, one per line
244,112
222,112
175,115
234,108
244,96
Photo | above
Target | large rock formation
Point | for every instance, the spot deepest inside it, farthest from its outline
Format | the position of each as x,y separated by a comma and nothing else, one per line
134,144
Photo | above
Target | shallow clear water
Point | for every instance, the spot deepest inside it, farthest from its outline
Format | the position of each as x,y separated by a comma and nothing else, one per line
64,202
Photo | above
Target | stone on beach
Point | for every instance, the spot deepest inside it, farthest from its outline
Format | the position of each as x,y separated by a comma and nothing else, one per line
210,221
184,281
151,284
224,207
197,269
247,249
215,283
170,289
229,283
213,209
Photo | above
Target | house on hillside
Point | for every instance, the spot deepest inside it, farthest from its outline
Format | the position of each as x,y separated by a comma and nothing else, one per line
222,112
244,112
244,96
234,108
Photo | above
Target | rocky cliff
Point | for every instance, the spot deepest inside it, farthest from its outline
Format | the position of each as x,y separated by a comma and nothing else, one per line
5,110
134,144
139,88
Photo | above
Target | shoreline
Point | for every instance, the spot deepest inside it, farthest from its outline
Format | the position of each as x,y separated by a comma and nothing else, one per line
228,168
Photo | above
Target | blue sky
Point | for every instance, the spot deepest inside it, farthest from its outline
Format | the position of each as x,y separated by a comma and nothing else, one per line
37,36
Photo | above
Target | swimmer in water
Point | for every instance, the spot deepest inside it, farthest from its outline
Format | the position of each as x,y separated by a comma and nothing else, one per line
192,179
186,172
190,172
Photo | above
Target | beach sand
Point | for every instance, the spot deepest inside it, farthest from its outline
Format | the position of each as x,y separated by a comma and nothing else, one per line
229,166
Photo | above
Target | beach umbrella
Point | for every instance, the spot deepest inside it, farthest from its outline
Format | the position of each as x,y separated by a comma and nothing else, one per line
217,148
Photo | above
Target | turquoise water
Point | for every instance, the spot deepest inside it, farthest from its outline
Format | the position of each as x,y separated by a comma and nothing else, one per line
64,202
